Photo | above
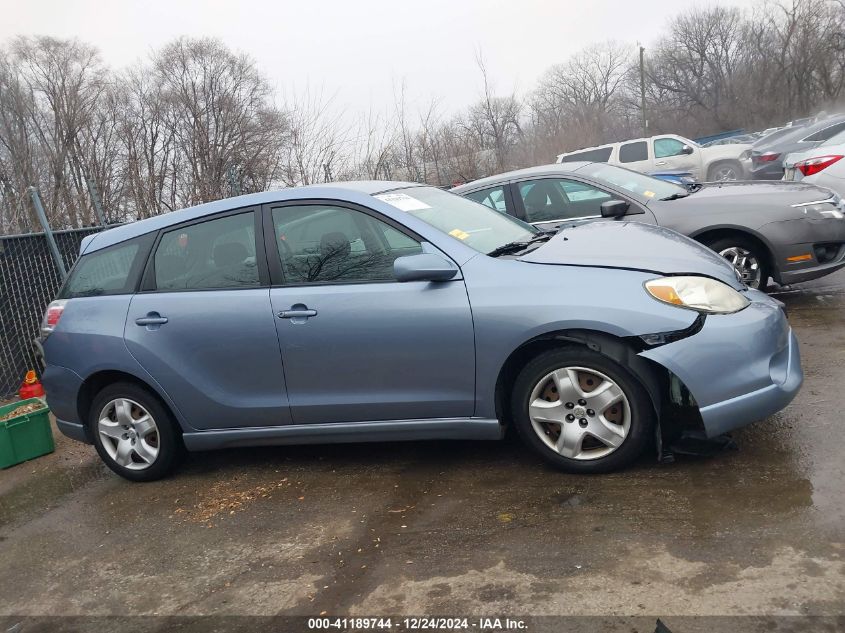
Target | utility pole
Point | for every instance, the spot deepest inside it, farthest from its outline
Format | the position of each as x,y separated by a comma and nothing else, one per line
95,200
232,176
642,91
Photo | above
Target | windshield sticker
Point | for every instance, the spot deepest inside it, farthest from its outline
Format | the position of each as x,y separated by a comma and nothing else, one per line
461,235
402,201
648,194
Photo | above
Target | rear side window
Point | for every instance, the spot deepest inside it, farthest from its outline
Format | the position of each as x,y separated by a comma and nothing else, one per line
633,152
105,272
213,254
826,133
493,197
600,155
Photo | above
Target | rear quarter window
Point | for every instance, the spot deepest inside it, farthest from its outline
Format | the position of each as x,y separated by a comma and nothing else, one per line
110,271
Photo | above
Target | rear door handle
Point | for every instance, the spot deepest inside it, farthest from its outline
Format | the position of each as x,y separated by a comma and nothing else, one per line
152,318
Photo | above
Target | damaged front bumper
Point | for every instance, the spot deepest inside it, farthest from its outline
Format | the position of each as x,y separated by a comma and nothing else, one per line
739,367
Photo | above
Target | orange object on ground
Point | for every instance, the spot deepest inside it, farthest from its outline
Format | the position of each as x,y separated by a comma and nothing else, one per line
31,387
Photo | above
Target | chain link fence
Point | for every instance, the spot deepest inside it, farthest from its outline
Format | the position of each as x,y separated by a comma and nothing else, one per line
29,280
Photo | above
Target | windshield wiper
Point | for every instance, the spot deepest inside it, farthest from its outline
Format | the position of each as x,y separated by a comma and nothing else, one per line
515,247
675,196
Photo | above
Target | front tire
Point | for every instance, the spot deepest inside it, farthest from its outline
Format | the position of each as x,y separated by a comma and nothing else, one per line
581,411
747,258
134,433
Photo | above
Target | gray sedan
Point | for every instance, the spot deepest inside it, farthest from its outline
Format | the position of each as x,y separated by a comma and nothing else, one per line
791,232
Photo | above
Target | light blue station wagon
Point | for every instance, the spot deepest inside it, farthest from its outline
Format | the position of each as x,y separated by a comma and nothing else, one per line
376,311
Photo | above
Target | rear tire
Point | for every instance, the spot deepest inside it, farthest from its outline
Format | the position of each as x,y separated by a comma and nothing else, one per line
134,433
581,411
724,171
747,258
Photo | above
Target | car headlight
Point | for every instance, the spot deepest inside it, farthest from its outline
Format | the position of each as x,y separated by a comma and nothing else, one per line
701,294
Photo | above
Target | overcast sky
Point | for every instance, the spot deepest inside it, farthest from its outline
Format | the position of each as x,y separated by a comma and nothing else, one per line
359,50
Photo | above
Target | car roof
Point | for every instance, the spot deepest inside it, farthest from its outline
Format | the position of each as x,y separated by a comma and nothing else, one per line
540,170
360,192
625,142
803,131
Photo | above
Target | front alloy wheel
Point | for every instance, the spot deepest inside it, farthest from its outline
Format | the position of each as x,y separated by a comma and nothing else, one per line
745,263
581,411
749,259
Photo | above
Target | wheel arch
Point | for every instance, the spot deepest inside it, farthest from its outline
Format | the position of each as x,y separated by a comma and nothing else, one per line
652,376
94,383
711,234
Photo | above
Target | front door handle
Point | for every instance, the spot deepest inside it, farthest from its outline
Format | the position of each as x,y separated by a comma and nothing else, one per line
298,313
295,314
152,318
660,162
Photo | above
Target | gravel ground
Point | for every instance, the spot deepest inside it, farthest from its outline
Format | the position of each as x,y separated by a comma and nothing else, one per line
455,527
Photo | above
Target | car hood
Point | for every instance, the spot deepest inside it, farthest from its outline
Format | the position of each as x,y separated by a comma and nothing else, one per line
733,150
632,246
754,193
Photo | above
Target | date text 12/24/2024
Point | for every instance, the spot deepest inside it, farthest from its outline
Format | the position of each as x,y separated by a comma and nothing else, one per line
415,624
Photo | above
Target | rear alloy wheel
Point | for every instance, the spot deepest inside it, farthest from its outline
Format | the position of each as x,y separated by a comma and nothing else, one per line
747,259
581,411
134,433
724,172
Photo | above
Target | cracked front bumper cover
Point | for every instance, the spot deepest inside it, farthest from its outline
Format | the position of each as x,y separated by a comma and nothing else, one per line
740,367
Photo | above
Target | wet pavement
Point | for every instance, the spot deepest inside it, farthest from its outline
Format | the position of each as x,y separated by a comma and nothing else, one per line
451,527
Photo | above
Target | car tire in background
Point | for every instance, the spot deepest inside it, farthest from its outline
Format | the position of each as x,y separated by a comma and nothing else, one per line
724,170
134,432
581,411
747,257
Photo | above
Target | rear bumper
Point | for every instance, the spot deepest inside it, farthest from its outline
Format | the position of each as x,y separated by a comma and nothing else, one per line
740,367
62,387
74,431
772,170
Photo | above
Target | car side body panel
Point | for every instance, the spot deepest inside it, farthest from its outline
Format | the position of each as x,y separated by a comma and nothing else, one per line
514,302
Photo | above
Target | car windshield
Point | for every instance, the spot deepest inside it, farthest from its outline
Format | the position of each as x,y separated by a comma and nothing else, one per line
635,182
477,226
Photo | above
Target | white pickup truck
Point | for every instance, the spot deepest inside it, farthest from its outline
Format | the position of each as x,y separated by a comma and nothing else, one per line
670,152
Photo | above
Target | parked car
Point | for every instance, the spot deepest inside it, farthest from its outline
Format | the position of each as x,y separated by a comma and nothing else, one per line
732,140
790,231
768,152
669,151
821,165
677,176
393,311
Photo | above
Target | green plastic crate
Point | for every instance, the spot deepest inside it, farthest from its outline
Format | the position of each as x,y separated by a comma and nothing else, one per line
25,436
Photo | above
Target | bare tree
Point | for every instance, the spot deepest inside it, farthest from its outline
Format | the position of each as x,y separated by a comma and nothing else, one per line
224,125
317,141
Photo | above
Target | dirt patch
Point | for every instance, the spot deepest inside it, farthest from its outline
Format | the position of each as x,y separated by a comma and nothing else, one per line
226,498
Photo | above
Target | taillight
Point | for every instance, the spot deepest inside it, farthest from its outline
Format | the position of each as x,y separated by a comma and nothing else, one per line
768,157
52,316
815,165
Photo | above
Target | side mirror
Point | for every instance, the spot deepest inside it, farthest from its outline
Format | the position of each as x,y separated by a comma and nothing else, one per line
686,149
424,267
614,208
